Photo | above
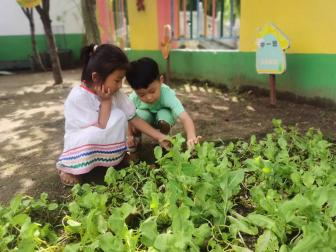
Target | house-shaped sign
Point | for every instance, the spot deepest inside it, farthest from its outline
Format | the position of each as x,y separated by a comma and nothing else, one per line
271,46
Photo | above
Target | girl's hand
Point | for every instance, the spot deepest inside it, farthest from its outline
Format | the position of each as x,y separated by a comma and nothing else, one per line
192,141
102,93
131,141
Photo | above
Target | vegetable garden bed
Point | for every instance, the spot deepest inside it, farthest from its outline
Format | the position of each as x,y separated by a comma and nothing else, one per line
273,194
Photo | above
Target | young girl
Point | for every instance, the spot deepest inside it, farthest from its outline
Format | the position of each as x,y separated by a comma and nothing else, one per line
96,115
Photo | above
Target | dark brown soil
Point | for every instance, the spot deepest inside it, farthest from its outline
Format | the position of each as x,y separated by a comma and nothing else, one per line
31,126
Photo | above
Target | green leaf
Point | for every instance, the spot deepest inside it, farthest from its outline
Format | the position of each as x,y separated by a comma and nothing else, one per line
26,245
267,242
182,226
243,226
165,242
308,243
73,223
240,249
29,230
158,152
277,123
101,224
44,197
110,176
308,179
265,222
20,219
296,178
52,206
75,247
91,247
179,217
73,226
235,179
91,224
284,248
116,221
74,208
108,242
149,231
201,234
289,208
154,203
48,233
15,203
148,188
282,143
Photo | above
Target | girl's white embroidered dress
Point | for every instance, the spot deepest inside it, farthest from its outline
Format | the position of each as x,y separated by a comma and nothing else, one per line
85,145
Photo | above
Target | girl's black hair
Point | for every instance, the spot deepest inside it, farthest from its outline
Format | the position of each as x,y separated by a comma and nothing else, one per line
103,59
142,73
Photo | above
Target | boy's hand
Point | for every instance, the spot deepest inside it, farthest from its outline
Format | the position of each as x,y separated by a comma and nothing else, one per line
102,93
165,143
192,141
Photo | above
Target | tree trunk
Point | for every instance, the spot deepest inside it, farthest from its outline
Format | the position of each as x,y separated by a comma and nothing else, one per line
37,62
90,21
46,21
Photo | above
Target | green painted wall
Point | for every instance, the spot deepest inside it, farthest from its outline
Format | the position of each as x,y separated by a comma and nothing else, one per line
310,75
16,48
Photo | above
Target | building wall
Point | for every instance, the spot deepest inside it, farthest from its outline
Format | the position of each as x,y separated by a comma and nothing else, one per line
143,32
15,40
308,75
309,24
311,59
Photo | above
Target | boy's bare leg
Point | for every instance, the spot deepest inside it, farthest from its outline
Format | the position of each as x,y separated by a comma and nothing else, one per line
164,127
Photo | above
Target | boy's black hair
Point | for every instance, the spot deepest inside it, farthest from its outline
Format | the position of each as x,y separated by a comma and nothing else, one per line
103,59
142,72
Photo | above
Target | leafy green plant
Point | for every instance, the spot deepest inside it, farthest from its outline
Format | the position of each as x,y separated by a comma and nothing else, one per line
273,194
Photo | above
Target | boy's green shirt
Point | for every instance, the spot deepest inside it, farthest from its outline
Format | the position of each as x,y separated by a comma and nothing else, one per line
167,100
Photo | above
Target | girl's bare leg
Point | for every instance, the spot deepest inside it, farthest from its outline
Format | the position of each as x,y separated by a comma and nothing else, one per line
69,179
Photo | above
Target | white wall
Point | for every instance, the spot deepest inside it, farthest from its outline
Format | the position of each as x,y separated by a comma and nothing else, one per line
65,15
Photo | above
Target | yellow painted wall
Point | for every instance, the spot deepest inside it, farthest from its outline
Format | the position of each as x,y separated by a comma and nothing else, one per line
143,26
310,25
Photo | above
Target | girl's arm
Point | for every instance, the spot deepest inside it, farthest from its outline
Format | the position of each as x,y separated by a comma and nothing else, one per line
189,128
104,113
105,105
130,136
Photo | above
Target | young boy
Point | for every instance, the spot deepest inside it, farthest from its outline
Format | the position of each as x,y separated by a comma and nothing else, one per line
155,102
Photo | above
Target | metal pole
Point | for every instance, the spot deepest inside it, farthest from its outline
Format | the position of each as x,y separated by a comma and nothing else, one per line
191,18
124,27
231,17
168,70
205,15
213,18
272,89
198,18
185,18
172,15
177,19
222,18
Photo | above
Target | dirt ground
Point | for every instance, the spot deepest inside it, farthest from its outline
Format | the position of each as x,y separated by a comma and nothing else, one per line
32,126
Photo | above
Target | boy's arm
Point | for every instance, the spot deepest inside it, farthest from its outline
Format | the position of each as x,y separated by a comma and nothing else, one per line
144,127
189,128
